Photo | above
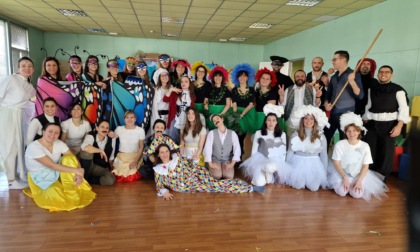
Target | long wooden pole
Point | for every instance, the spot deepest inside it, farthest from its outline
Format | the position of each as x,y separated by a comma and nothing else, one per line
357,67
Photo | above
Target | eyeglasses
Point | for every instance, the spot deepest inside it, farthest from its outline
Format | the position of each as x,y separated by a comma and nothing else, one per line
384,72
335,59
201,71
164,75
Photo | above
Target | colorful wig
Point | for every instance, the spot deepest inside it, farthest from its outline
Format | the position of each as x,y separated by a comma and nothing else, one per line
242,67
219,69
182,62
267,71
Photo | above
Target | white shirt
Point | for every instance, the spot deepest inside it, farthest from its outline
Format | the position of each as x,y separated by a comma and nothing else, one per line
101,144
75,134
208,147
35,150
15,91
35,127
129,138
403,113
181,115
299,97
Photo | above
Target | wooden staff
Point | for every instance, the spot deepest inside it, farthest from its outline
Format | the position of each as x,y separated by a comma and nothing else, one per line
357,67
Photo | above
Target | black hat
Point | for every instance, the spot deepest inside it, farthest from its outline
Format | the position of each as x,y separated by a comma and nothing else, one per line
277,60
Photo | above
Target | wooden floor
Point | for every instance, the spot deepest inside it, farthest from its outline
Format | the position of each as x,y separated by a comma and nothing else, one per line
130,217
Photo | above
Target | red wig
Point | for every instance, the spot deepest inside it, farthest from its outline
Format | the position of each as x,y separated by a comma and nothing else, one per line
219,69
267,71
372,66
182,62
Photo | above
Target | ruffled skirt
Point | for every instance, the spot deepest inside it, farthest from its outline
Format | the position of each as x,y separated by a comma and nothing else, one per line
307,171
263,170
63,194
122,171
373,184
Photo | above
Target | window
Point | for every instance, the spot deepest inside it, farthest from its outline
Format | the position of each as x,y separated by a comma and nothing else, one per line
4,70
19,44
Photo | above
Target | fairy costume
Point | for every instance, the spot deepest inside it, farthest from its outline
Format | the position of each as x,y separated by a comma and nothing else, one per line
180,176
308,159
352,158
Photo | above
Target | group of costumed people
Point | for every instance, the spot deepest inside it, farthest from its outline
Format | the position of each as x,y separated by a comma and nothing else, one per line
190,129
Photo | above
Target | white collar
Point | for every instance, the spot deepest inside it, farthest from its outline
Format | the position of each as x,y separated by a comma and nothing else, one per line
163,169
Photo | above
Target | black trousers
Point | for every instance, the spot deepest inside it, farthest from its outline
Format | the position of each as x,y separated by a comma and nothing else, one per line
381,145
334,122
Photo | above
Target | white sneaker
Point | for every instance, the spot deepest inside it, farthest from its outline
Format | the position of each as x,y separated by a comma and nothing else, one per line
17,185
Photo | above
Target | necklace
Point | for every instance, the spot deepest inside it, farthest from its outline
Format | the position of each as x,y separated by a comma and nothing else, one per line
264,95
242,95
213,99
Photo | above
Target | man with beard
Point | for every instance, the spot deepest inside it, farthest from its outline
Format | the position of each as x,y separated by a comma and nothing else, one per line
385,119
97,155
318,77
299,94
222,150
367,71
277,63
347,100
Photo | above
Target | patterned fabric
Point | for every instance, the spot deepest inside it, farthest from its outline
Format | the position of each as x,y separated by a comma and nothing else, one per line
65,96
160,140
187,178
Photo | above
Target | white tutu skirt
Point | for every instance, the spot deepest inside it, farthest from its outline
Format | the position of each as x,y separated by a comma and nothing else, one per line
307,171
373,184
264,170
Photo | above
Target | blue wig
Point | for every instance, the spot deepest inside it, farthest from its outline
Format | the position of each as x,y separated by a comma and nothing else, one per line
242,67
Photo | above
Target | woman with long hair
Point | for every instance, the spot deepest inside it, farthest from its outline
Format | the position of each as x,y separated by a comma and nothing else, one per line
15,93
219,101
202,86
164,61
181,68
268,155
193,137
179,101
307,152
49,86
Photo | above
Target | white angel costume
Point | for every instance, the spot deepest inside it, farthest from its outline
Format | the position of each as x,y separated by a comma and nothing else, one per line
309,162
267,159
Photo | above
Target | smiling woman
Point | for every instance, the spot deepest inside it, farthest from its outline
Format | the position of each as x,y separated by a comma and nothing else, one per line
15,92
53,184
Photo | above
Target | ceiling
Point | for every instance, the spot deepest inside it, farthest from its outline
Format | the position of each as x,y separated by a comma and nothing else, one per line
205,20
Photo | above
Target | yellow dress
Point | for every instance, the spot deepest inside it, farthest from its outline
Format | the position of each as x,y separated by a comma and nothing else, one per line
63,194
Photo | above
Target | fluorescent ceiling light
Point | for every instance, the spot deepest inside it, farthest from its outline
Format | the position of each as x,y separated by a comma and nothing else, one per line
222,40
237,39
303,2
261,26
173,20
113,33
325,18
170,35
72,13
95,30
